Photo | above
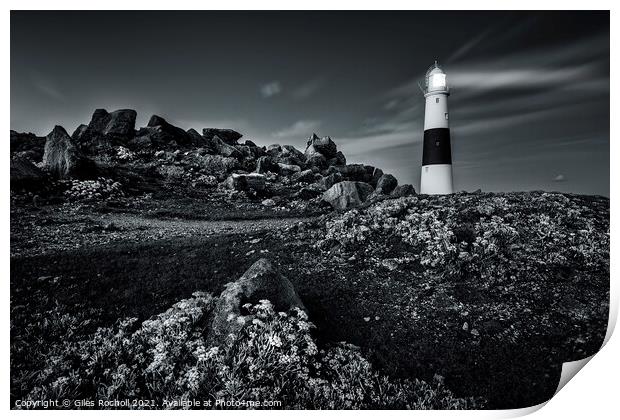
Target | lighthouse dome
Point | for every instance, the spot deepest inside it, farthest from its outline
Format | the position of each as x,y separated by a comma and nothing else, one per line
436,80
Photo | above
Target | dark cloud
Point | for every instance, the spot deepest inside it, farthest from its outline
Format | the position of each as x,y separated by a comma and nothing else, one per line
530,90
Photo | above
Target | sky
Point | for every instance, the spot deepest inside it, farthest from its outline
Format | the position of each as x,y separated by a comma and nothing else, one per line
529,103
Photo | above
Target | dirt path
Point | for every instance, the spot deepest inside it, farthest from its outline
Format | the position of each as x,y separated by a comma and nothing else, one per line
178,227
61,232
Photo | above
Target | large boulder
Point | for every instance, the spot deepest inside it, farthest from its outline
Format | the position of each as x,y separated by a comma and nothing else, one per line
355,172
303,176
195,138
163,133
386,184
227,135
338,160
80,132
119,123
325,146
328,181
105,131
404,190
245,182
62,158
266,164
314,158
224,148
347,194
261,281
290,155
285,169
24,174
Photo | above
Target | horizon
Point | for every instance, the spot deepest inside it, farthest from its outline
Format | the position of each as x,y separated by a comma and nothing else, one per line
529,108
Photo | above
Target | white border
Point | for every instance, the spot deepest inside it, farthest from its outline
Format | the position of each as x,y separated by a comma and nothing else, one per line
592,395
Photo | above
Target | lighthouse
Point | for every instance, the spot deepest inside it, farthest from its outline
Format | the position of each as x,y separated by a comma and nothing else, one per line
436,177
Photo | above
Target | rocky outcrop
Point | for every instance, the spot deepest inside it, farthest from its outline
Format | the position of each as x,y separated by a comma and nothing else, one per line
119,123
195,138
261,281
225,149
227,135
266,164
347,194
328,181
163,133
322,152
386,184
27,145
62,158
24,174
324,146
404,190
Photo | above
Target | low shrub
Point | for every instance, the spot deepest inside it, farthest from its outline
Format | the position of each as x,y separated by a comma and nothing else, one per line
275,358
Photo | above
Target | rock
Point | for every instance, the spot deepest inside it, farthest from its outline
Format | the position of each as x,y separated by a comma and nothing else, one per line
339,160
268,202
227,135
62,158
24,174
355,172
288,150
347,194
195,138
260,281
325,146
250,143
162,132
465,326
404,190
27,142
140,143
386,184
244,182
285,169
79,132
329,180
308,193
216,165
274,150
311,139
266,164
225,149
120,123
303,176
376,175
316,159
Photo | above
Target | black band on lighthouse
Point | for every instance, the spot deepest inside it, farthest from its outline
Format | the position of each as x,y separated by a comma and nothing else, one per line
437,147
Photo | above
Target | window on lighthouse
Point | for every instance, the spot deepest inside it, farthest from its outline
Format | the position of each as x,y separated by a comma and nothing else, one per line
438,81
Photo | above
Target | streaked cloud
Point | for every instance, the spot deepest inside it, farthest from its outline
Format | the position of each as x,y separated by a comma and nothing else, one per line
46,87
298,130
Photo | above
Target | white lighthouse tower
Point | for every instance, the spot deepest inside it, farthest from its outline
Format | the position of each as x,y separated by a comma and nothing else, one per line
436,175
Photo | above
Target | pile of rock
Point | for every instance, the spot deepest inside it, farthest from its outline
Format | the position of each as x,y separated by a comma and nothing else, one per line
319,173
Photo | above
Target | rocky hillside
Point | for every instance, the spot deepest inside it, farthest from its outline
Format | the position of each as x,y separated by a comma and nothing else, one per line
110,150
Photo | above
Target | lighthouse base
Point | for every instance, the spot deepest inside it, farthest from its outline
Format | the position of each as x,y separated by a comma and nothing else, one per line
436,179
